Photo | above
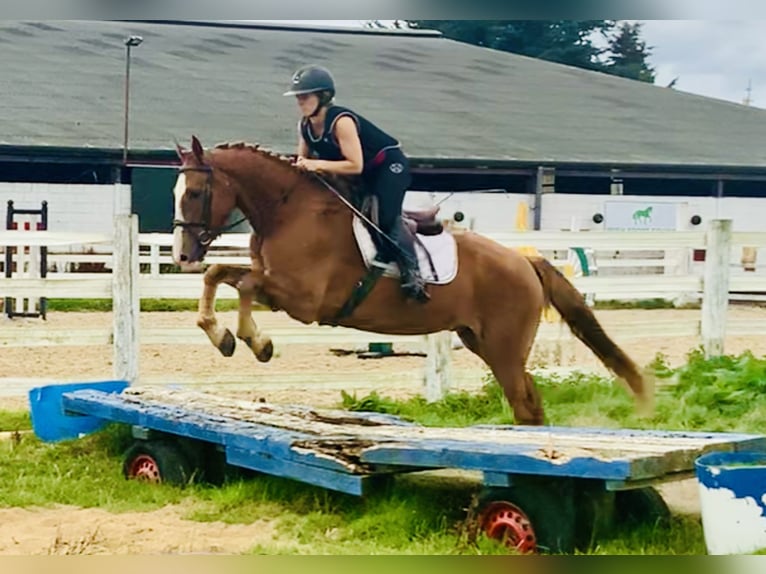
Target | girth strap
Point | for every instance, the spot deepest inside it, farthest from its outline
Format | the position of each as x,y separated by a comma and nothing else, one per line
361,290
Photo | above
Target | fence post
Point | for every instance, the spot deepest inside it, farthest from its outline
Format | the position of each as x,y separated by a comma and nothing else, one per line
438,380
125,297
715,296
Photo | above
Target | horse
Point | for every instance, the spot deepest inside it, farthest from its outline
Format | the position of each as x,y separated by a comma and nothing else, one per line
307,260
642,215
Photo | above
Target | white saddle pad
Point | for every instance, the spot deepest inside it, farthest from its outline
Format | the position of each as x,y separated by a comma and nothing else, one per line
442,248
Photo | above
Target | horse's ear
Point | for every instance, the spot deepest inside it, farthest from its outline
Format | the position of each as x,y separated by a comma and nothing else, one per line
197,149
180,151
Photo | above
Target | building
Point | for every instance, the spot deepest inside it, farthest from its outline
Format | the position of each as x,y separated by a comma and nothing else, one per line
470,118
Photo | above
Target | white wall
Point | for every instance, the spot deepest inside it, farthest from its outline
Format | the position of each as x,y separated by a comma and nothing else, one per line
484,212
494,212
89,208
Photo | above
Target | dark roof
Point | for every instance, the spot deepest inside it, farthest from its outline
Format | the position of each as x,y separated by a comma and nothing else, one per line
63,85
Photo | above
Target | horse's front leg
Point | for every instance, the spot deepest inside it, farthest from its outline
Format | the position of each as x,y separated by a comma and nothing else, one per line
250,287
220,336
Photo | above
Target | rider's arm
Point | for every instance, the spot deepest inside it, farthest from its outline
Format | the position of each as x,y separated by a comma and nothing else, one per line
350,146
303,149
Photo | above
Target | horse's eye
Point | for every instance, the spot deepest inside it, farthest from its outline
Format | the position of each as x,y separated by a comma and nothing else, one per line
194,193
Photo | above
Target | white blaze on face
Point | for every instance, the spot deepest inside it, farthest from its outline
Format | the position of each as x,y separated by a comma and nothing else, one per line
178,193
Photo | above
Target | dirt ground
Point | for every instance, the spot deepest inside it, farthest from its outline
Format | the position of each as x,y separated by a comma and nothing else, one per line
305,374
68,530
311,373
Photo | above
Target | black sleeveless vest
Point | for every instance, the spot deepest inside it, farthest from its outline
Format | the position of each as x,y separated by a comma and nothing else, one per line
373,139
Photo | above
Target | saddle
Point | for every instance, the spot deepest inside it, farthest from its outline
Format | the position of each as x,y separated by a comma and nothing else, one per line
416,221
423,221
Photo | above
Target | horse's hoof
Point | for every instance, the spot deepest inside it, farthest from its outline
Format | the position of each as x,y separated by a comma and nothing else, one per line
227,344
265,355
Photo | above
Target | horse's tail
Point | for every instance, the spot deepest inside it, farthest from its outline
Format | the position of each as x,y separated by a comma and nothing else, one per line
570,303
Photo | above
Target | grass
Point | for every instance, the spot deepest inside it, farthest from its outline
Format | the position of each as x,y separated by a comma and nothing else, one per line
79,305
14,421
87,305
722,394
413,514
639,304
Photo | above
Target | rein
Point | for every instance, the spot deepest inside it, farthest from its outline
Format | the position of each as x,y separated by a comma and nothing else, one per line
359,214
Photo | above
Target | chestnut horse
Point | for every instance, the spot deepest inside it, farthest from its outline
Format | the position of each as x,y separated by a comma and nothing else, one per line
306,262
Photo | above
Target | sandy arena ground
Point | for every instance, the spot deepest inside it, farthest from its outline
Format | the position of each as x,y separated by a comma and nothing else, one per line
306,374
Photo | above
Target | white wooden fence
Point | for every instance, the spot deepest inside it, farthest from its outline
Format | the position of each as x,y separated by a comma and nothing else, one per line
671,276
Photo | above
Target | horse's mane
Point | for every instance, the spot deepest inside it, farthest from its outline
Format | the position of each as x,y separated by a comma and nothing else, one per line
344,184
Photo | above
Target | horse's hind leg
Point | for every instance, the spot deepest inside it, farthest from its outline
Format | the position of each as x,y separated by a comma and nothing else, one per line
220,336
505,351
505,355
519,389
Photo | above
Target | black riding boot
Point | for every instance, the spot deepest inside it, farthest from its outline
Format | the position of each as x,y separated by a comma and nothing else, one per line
413,284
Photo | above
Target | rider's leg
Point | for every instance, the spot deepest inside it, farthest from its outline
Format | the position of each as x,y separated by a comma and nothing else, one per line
390,184
413,283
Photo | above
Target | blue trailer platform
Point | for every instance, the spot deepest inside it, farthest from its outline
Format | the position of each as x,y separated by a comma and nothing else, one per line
544,487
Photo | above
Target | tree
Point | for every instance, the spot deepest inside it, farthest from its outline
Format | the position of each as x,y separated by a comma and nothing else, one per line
628,54
568,42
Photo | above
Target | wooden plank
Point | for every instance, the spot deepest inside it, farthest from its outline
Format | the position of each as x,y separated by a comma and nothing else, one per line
608,263
68,286
324,423
264,436
751,283
332,480
638,283
741,327
543,240
20,335
748,238
235,259
239,240
50,238
59,258
601,240
42,337
209,427
523,459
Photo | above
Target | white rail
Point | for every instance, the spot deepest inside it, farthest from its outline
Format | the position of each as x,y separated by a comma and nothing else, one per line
125,285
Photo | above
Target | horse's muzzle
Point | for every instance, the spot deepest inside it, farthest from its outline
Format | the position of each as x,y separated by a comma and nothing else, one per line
188,251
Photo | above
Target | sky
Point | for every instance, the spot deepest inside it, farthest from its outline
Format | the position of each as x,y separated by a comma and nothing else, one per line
714,58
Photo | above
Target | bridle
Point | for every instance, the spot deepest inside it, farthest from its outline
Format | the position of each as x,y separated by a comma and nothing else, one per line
207,233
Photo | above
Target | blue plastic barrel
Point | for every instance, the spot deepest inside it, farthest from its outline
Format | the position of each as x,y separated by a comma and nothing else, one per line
51,422
732,487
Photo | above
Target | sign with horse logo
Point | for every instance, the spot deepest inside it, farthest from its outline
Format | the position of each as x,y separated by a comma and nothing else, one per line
640,215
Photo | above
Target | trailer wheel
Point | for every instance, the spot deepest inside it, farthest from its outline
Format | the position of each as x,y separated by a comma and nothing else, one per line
156,462
595,512
640,506
534,515
507,523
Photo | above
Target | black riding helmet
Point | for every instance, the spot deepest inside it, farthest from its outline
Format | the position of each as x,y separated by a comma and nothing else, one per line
313,79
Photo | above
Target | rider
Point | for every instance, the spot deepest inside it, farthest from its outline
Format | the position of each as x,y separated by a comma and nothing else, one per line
335,139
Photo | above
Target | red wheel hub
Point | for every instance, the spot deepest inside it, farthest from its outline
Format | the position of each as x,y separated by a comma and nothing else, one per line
144,467
507,523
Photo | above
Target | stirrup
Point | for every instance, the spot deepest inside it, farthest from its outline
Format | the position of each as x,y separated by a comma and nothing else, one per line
415,288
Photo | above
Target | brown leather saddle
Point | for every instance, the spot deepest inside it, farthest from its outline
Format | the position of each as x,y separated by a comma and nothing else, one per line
422,221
